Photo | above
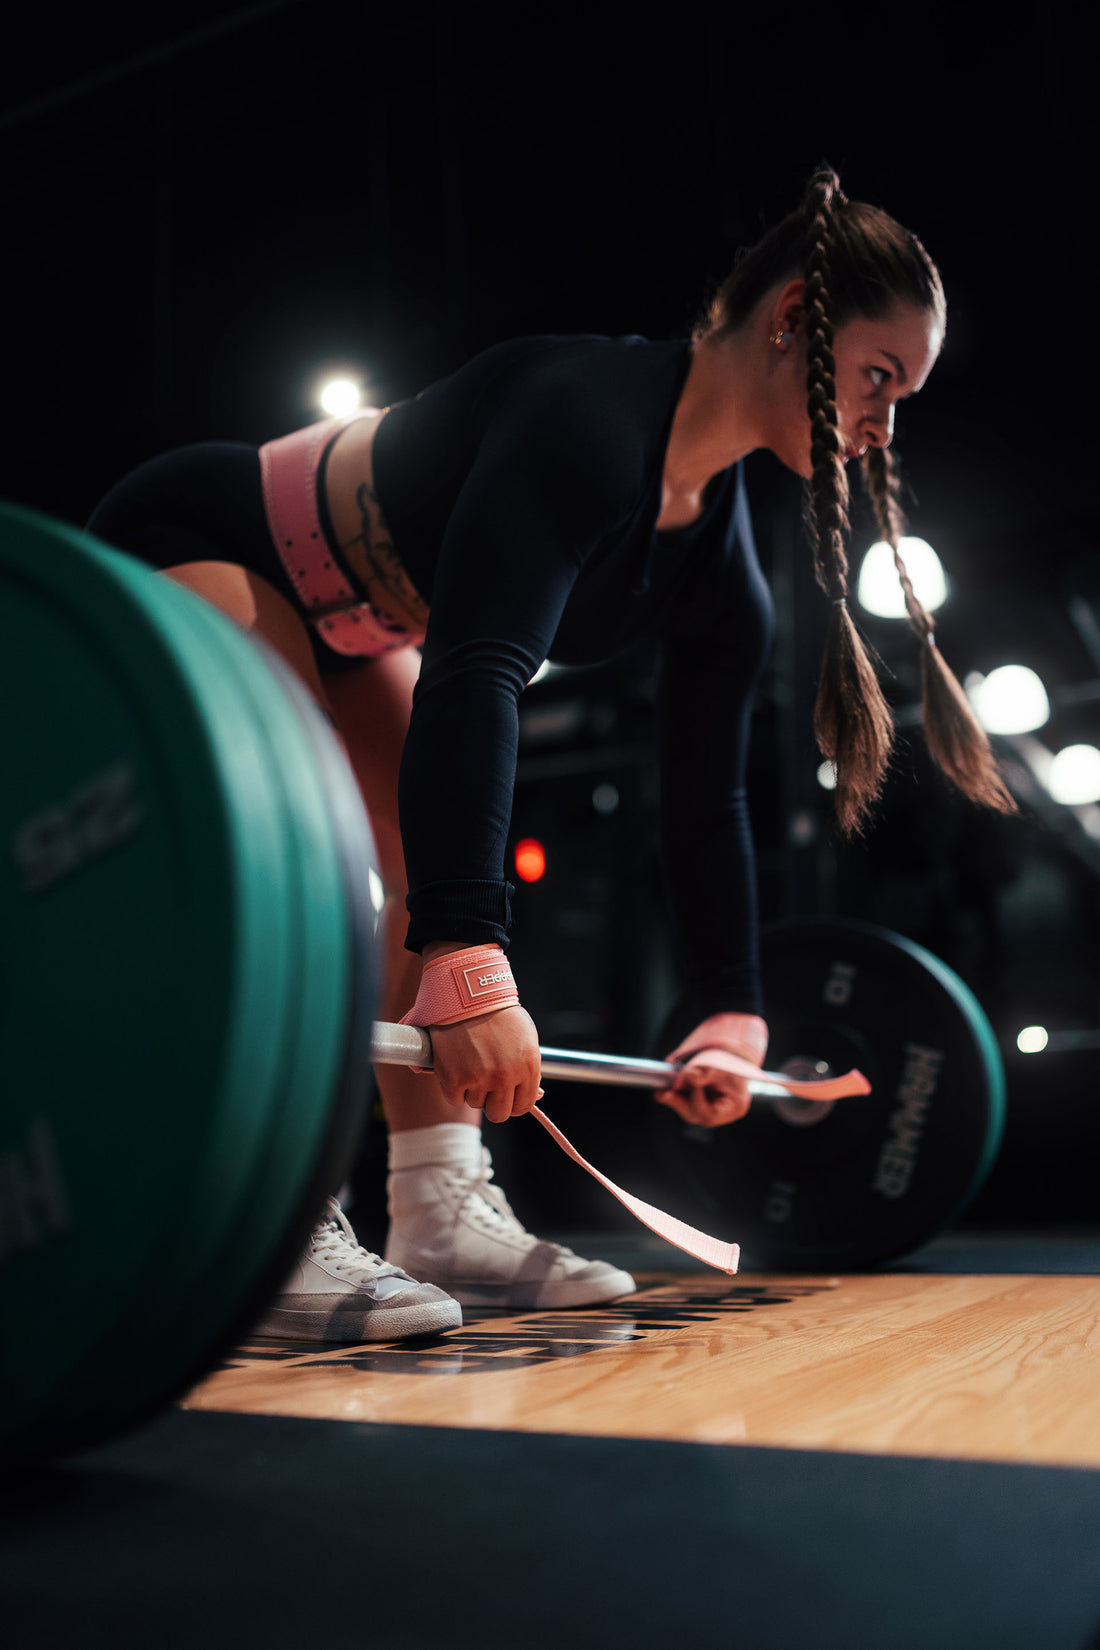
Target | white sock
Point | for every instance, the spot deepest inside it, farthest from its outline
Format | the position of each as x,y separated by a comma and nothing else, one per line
455,1144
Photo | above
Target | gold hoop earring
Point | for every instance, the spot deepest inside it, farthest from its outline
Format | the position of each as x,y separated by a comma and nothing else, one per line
781,339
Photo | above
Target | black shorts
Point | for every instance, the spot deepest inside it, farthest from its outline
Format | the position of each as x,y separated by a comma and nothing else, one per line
205,503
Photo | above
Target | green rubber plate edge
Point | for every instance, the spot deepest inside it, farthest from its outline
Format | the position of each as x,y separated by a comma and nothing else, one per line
207,1253
284,1195
973,1012
221,1261
238,1113
315,1022
243,1127
355,1082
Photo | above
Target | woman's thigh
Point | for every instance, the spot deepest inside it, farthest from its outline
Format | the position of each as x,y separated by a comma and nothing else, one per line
368,705
371,706
258,608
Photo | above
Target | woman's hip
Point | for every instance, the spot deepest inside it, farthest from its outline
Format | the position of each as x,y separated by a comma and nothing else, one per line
204,503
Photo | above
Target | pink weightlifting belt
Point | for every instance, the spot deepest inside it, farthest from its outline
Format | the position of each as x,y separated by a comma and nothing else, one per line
339,615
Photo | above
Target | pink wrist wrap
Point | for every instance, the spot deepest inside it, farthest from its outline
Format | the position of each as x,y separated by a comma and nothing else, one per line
462,984
743,1034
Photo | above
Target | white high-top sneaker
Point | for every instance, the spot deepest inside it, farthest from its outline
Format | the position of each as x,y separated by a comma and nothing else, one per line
341,1292
451,1224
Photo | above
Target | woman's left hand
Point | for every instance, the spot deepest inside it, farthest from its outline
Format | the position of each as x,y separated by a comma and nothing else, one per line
705,1094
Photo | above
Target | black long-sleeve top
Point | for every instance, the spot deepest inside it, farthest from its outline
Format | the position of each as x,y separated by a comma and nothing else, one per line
522,493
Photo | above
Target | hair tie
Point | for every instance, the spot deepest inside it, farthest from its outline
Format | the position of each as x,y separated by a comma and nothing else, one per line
840,601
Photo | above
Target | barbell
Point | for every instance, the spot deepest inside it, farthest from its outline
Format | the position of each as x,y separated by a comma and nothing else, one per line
403,1045
187,990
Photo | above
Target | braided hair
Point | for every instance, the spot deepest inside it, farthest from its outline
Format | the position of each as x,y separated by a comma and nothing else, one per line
858,261
955,739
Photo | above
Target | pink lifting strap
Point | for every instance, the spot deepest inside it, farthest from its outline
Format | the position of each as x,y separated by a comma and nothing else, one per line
716,1252
289,468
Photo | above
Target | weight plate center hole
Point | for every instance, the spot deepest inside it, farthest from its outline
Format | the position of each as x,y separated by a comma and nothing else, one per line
804,1114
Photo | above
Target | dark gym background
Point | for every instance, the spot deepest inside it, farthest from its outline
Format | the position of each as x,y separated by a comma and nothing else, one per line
208,209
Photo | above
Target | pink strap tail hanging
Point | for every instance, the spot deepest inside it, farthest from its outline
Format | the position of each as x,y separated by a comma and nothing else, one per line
725,1257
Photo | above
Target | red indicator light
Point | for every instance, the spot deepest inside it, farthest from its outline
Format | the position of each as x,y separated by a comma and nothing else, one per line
530,860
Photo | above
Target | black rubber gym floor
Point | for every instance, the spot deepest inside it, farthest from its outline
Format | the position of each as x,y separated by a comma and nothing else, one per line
209,1529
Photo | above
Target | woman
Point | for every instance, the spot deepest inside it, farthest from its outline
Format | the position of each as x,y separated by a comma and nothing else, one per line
561,497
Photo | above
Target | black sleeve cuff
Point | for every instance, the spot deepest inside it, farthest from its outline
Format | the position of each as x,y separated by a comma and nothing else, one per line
466,909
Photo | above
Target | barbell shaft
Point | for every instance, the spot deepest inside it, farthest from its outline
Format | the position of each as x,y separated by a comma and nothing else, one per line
399,1045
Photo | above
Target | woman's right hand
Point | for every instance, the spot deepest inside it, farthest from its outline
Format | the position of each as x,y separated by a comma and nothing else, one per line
490,1062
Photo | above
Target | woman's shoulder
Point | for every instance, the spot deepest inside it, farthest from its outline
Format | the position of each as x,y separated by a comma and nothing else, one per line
542,375
594,360
585,390
588,362
534,411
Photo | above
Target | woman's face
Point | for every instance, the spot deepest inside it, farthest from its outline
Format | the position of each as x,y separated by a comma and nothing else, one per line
878,364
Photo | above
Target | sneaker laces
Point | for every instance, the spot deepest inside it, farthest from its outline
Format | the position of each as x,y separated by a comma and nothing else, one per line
334,1239
480,1183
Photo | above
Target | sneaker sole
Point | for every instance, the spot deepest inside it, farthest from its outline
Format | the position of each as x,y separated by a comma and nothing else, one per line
547,1297
350,1324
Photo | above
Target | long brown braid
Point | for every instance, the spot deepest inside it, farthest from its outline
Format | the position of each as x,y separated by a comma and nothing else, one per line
852,721
956,740
856,261
883,484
